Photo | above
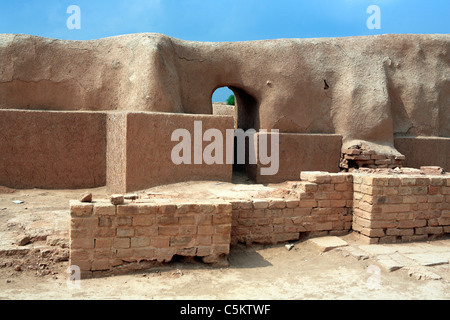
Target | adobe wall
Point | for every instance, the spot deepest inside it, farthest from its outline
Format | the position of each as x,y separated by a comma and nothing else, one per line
140,148
52,150
424,151
297,153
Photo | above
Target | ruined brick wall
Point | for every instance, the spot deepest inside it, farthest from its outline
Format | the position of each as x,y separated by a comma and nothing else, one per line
324,207
401,208
128,237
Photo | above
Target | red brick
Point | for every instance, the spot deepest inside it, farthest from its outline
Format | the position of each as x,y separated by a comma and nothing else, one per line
222,219
307,204
80,243
160,242
121,243
204,219
399,232
101,265
127,209
183,241
124,221
144,220
188,230
166,220
168,230
80,210
151,231
140,242
125,232
103,243
104,210
407,224
207,240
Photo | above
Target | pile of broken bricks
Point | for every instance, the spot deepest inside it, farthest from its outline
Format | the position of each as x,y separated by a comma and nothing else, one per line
414,258
358,157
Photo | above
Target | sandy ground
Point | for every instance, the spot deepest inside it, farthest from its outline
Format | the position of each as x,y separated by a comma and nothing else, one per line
38,270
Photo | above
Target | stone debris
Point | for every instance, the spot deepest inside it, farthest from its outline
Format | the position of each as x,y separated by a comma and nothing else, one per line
289,246
133,196
117,199
432,170
428,258
354,252
23,240
86,197
422,273
388,263
328,243
18,202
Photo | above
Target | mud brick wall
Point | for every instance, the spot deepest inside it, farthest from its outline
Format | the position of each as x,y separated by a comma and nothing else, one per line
401,208
52,150
324,207
123,238
139,150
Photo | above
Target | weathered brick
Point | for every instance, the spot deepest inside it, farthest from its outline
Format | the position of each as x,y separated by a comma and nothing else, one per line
124,221
160,242
84,223
124,253
80,243
204,219
104,209
140,242
326,188
145,253
183,241
104,243
222,219
434,230
307,204
292,203
408,224
260,204
395,208
121,243
143,220
142,231
100,265
436,198
399,232
188,230
80,210
414,238
277,204
373,233
206,230
125,232
168,230
206,240
127,209
203,251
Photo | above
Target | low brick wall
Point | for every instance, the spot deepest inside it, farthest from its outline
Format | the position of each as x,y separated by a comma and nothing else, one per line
324,207
401,208
381,208
123,238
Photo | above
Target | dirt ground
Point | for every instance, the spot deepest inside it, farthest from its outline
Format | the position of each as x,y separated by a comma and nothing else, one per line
34,260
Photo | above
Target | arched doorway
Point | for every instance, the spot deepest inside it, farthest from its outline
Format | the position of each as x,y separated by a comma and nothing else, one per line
246,117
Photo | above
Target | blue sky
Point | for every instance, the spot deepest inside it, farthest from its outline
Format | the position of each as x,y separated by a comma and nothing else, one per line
223,20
